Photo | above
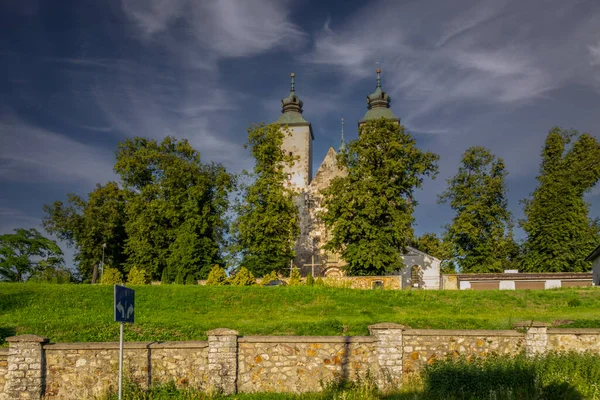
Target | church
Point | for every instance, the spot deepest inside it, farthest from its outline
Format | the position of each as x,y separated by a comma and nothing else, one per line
421,270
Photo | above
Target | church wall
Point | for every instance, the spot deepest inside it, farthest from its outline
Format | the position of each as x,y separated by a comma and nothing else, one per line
300,144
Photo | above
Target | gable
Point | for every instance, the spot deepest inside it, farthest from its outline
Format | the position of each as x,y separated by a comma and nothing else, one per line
326,172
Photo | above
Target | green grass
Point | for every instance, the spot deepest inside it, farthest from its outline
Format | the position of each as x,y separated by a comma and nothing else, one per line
84,313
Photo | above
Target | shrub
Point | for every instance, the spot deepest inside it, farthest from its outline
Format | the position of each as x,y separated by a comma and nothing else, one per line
295,279
319,281
51,274
179,278
310,280
164,278
270,277
574,303
111,276
190,280
138,276
243,278
216,277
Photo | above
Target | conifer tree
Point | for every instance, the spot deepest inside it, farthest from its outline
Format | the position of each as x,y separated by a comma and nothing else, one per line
267,224
370,210
559,231
481,231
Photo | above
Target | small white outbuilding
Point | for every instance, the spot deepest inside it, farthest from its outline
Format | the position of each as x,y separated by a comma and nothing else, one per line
594,257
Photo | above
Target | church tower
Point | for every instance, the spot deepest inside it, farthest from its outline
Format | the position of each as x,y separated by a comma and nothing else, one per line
299,143
378,104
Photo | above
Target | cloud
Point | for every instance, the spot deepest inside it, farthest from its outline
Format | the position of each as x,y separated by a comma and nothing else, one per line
225,28
33,154
595,53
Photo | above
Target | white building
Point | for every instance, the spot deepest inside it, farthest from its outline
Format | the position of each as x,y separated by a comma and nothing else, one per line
594,257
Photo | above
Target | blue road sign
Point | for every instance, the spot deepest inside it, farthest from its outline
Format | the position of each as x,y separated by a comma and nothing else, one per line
124,304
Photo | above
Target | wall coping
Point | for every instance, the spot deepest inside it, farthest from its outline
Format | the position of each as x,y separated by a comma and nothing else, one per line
126,345
386,325
222,332
27,339
465,332
531,324
573,331
307,339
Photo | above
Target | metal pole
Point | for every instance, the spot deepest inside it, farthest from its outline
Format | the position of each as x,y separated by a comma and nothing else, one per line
121,363
313,264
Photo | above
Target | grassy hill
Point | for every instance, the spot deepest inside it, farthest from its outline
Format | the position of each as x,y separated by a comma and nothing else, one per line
67,313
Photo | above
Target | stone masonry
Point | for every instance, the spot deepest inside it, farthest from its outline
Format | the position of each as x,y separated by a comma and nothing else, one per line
227,362
222,360
26,368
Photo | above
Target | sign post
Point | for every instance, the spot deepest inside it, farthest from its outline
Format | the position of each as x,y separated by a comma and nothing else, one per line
124,312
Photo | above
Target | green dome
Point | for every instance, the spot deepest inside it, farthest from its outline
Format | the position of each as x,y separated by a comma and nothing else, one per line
291,107
378,104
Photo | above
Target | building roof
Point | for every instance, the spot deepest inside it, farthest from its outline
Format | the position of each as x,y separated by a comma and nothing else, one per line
523,276
594,254
378,104
291,107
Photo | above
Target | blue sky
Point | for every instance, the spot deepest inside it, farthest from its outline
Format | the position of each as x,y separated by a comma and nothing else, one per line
79,76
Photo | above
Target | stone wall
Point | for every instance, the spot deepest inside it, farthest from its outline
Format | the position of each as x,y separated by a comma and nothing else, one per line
32,368
297,364
424,346
574,339
87,370
3,367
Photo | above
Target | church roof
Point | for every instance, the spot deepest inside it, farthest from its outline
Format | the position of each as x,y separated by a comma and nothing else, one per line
291,108
378,104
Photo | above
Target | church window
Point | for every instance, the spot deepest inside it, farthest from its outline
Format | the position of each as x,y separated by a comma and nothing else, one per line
289,176
415,276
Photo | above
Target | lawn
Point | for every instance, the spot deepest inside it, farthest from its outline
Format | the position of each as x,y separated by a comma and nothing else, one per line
66,313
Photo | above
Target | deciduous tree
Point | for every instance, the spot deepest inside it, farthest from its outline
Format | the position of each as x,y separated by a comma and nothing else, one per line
559,231
481,231
370,210
25,253
266,227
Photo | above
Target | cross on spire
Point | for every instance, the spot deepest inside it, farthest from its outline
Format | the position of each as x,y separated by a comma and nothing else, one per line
292,75
342,143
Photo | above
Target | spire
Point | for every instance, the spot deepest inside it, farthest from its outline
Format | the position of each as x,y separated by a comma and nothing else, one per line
378,103
291,106
342,142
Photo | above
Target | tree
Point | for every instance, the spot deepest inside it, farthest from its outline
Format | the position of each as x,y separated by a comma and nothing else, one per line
25,253
267,224
87,225
176,205
295,278
370,210
137,276
431,244
243,277
111,276
216,277
559,231
481,231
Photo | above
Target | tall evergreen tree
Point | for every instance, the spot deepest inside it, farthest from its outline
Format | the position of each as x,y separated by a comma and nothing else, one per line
370,210
87,224
559,231
481,230
175,213
267,218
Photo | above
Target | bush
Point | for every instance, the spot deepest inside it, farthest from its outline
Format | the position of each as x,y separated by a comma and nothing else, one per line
270,277
190,280
138,276
51,274
319,282
179,278
295,279
111,276
310,280
164,278
216,277
243,278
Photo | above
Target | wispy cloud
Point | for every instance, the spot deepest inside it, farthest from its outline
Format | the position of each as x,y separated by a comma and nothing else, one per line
33,154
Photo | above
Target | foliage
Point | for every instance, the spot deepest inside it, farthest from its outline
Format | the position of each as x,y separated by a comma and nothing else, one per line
190,280
431,244
266,228
175,206
83,313
295,278
179,278
216,277
480,235
164,278
310,280
370,210
559,231
561,375
51,274
26,252
87,225
319,282
111,276
243,277
270,277
138,276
